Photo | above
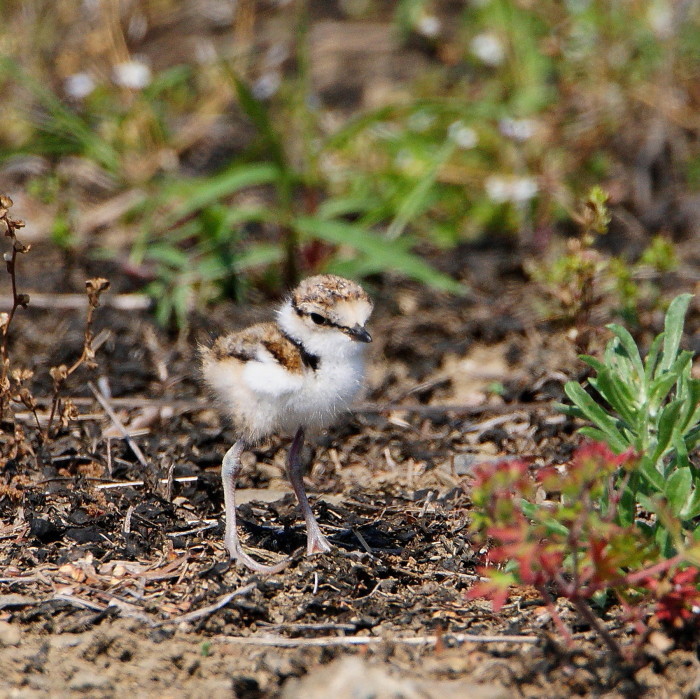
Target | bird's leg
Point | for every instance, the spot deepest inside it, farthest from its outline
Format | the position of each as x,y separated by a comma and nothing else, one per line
315,541
230,468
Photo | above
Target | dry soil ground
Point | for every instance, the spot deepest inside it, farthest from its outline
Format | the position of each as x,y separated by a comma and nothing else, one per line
114,577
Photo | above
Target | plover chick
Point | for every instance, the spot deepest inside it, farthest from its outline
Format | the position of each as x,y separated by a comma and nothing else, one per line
286,377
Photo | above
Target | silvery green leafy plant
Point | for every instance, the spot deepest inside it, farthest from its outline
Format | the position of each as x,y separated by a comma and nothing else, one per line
652,407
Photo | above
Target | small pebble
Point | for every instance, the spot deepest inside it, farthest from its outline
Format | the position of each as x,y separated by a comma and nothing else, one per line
9,634
86,680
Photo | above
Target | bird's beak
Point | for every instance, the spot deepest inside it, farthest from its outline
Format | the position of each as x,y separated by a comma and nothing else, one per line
357,332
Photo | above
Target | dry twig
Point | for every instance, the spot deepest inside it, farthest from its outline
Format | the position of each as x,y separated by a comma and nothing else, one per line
119,425
206,611
60,374
326,641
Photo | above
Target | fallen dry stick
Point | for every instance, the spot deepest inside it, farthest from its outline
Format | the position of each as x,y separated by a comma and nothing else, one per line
71,302
325,641
206,611
118,424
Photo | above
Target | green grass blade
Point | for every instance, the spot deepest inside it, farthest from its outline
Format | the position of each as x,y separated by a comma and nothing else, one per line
200,193
65,131
337,207
390,255
168,255
259,255
257,113
415,201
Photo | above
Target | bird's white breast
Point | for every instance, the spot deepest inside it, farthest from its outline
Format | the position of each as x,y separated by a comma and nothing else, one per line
312,399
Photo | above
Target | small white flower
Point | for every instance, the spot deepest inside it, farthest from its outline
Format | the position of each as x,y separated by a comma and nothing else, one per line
79,85
660,18
133,74
518,129
420,121
463,136
267,85
205,51
498,188
514,189
429,26
276,55
488,48
524,189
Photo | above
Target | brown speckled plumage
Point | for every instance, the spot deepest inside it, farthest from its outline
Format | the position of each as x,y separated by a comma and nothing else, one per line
245,345
324,291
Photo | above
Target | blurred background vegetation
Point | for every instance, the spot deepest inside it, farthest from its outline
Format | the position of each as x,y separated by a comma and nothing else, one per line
211,147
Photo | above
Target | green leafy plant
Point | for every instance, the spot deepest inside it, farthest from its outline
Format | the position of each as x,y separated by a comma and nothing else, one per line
582,278
569,542
651,406
569,280
197,239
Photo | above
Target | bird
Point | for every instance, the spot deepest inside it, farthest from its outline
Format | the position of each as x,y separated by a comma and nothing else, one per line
288,377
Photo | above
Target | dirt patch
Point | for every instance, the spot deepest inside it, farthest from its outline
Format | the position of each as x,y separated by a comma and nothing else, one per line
115,579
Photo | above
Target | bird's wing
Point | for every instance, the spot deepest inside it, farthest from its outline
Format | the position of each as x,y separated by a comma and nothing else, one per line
276,366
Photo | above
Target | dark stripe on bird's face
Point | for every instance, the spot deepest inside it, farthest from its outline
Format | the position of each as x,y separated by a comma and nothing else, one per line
356,332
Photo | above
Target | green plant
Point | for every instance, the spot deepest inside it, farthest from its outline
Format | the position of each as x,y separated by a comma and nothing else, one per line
517,113
569,542
651,406
198,240
569,280
583,278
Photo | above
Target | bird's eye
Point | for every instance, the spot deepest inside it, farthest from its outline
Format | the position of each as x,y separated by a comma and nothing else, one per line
318,319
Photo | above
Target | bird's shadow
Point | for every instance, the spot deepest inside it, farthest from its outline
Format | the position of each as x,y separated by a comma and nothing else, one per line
345,529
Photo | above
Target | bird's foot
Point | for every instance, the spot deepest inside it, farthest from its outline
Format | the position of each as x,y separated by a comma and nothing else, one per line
239,555
317,543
